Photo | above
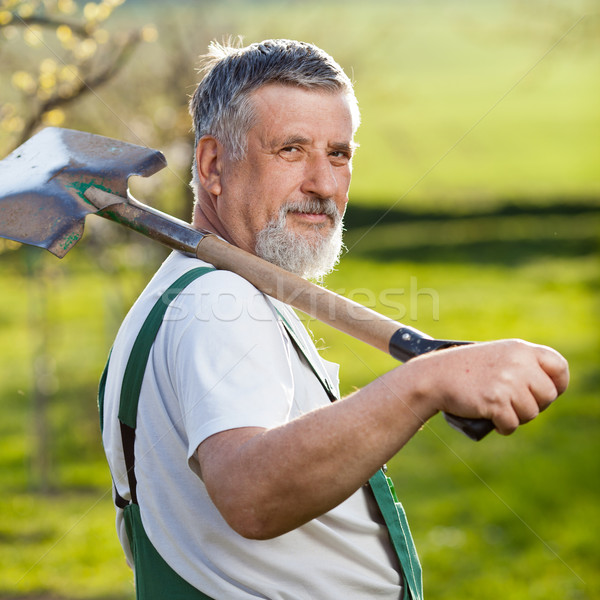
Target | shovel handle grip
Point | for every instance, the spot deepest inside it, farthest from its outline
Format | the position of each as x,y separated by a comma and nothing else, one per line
406,343
358,321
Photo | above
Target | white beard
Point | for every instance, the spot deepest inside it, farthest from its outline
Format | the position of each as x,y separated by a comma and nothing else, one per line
311,256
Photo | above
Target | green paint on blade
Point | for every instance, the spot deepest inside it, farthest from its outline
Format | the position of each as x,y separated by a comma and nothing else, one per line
81,188
69,240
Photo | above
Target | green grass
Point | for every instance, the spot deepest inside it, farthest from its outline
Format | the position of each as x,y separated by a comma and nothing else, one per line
64,539
518,512
61,545
465,103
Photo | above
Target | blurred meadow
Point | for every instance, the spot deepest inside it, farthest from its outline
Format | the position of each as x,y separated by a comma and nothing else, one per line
474,214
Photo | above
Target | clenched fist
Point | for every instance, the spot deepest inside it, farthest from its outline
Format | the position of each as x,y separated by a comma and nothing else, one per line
508,381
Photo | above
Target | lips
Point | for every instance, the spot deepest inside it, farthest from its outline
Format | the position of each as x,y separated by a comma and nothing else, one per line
311,217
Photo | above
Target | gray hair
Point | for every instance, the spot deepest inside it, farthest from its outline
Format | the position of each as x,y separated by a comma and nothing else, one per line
221,105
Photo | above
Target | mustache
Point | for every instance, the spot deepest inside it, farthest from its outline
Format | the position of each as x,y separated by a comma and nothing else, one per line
325,206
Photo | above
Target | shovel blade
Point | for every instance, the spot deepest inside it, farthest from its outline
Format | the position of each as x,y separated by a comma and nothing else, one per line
43,181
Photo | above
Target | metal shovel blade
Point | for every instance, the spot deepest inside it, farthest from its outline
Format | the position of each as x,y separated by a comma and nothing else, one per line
43,181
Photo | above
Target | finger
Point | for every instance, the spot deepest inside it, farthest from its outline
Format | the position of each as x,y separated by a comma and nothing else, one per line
504,416
543,390
555,366
528,407
527,402
507,422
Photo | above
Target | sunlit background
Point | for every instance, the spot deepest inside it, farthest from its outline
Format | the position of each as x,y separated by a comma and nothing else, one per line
475,214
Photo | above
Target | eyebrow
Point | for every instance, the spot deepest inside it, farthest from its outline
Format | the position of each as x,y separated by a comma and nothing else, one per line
291,140
344,147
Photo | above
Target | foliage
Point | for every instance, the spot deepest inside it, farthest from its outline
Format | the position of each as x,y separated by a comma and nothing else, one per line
74,55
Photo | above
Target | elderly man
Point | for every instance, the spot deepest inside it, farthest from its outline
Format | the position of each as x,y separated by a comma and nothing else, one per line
241,478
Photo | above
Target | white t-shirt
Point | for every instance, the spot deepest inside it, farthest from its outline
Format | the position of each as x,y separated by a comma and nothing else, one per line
222,359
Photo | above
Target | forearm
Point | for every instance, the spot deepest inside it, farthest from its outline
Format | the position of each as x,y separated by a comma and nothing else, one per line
267,482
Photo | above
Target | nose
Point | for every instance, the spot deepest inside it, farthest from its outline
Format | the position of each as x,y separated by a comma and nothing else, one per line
320,178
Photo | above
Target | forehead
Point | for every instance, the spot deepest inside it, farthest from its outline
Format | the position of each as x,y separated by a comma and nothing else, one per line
284,109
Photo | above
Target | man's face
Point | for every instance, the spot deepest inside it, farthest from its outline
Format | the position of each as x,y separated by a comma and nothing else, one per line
297,163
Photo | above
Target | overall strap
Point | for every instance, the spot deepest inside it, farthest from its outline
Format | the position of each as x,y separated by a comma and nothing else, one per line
397,524
314,365
136,367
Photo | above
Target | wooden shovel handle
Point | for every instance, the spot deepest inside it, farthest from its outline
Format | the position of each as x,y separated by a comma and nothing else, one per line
350,317
335,310
360,322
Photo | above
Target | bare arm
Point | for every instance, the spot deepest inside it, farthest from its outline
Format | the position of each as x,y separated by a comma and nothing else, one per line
268,482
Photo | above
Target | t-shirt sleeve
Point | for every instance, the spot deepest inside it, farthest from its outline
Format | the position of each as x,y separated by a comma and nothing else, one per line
228,358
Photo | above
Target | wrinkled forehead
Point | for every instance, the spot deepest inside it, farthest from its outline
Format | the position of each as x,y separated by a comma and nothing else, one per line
277,105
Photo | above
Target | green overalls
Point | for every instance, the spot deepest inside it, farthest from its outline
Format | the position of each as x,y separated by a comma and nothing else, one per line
154,579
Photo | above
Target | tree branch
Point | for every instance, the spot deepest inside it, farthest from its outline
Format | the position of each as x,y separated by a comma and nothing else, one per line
86,85
45,21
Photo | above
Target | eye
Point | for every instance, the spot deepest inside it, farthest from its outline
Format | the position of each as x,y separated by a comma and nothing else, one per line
290,152
340,157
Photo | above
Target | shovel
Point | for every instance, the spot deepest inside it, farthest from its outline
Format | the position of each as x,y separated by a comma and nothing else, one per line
49,184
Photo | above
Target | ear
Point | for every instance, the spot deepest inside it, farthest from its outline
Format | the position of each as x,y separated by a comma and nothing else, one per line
208,160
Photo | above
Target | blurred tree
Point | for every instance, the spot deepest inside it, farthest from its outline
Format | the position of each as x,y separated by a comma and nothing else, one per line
53,53
76,54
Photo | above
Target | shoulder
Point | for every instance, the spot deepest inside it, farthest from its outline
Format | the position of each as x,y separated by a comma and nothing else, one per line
222,295
214,305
